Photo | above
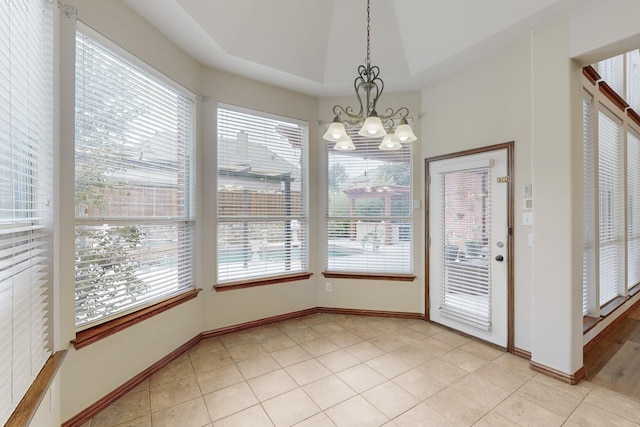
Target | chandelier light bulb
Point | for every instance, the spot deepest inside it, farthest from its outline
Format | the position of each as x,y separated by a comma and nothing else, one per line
336,131
404,132
390,142
344,144
372,127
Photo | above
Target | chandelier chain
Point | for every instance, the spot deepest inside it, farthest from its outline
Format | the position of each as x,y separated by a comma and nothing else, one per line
368,60
368,87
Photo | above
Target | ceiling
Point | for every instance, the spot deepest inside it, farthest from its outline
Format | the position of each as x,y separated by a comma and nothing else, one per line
315,46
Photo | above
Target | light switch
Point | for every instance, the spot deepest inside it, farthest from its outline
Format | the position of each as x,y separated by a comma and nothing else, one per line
527,218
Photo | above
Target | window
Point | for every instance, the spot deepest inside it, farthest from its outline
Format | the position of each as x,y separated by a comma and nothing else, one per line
26,54
611,153
611,206
369,216
262,195
589,230
134,189
633,209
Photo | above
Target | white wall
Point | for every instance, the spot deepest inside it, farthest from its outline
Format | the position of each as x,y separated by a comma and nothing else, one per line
602,29
557,172
490,103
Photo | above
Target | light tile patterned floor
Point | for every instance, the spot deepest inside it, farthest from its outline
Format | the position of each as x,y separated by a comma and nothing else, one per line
338,370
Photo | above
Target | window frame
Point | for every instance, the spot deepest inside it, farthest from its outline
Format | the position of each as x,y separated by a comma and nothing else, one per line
604,100
373,274
105,326
269,277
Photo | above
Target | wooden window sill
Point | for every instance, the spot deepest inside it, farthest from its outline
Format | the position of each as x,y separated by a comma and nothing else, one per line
29,404
261,282
588,323
370,276
104,330
612,306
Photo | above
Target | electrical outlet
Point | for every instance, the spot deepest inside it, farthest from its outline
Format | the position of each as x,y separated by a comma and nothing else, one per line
327,287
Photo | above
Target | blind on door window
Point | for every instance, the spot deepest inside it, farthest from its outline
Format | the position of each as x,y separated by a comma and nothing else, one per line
134,188
262,195
26,52
611,229
633,209
369,208
466,237
589,225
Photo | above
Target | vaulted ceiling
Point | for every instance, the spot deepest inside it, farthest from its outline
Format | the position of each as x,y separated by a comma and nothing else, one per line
315,46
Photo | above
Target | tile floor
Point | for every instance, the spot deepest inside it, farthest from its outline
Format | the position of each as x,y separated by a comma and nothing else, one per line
337,370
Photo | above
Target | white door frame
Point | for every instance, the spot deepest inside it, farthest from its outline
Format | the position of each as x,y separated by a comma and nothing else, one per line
509,147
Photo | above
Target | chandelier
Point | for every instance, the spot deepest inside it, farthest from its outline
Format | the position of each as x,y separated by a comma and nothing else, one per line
369,84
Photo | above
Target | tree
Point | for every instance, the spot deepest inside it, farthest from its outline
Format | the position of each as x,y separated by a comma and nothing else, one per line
337,175
395,173
107,258
107,269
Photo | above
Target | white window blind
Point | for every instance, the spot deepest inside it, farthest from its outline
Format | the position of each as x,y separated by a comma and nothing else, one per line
589,225
612,71
633,79
466,216
369,216
262,195
633,209
26,53
611,207
134,183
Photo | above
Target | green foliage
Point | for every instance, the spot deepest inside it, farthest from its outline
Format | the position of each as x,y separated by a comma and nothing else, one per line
337,175
338,204
107,262
339,230
373,237
370,207
395,174
107,269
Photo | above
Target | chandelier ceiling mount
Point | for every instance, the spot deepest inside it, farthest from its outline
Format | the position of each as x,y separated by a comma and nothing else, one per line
369,84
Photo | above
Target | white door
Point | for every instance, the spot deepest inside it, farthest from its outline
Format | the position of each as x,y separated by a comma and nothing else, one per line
468,265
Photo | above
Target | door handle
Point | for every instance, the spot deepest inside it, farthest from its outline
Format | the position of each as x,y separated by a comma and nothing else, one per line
499,258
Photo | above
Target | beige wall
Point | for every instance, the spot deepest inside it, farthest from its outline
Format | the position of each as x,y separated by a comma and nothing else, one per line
488,104
557,171
238,306
90,373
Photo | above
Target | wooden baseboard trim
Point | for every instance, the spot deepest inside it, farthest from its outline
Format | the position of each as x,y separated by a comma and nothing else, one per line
561,376
260,322
101,404
522,353
28,406
376,313
107,400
